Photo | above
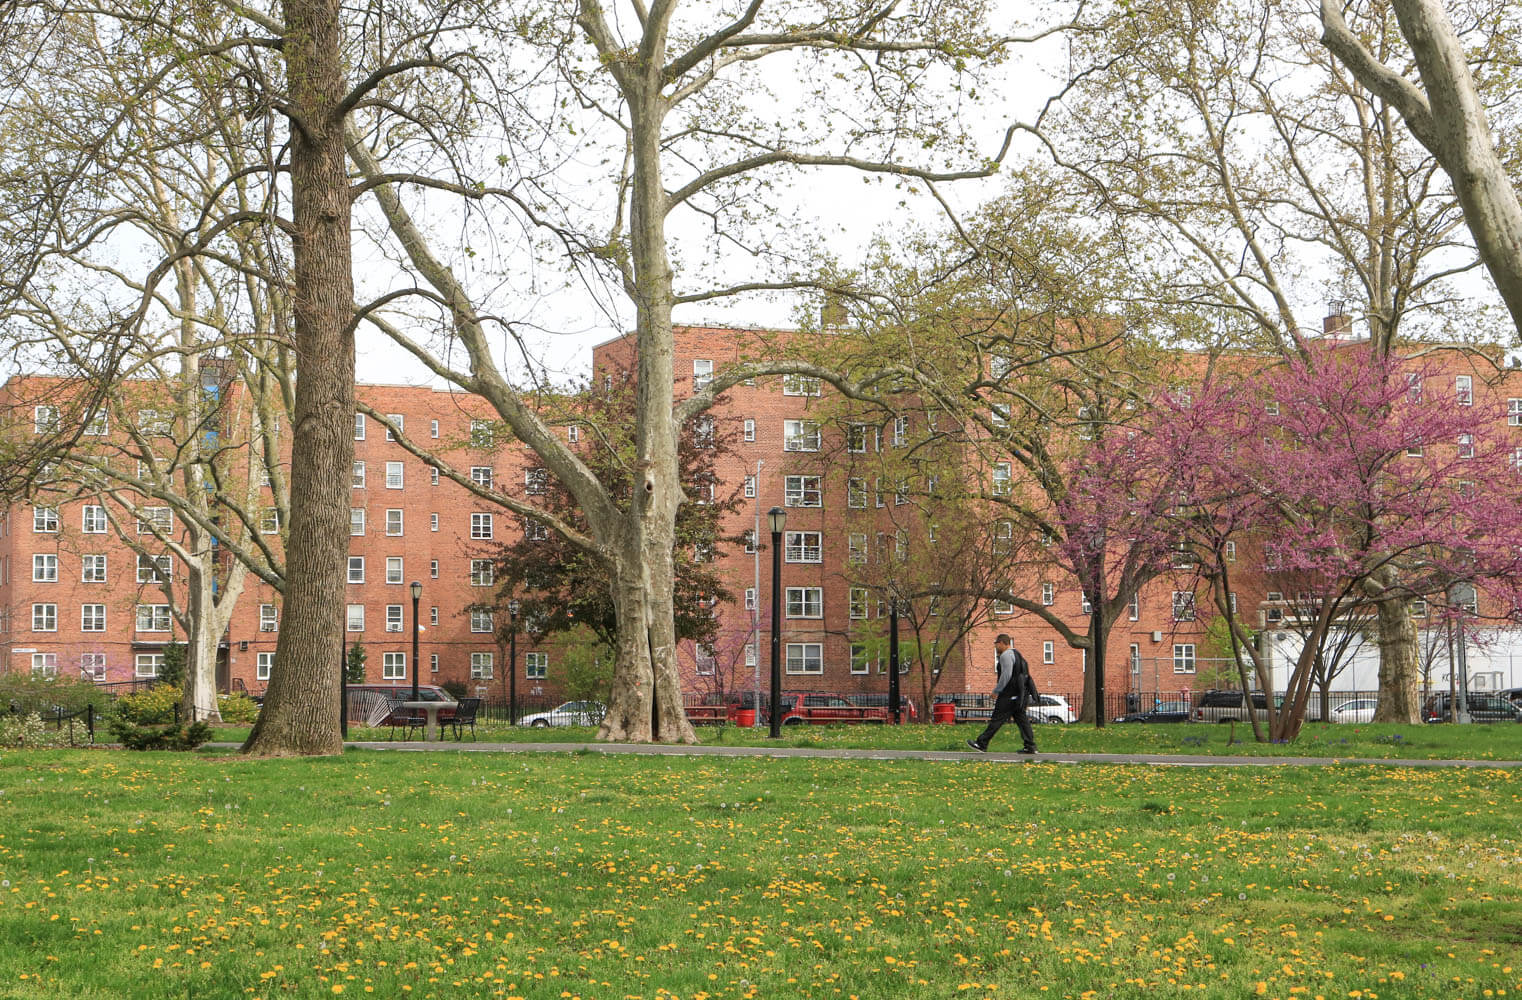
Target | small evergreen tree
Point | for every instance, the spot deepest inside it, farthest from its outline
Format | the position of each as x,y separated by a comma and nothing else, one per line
354,669
172,673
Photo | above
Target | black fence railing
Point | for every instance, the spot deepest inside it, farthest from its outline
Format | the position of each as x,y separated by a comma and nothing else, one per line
79,723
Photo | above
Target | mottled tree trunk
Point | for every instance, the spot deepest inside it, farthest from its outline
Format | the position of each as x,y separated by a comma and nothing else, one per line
1399,663
301,709
198,699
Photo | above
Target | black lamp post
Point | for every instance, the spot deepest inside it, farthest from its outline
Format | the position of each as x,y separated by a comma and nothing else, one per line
893,696
417,595
776,518
512,664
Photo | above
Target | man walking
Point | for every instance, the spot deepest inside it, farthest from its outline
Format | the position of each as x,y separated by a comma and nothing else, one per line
1013,689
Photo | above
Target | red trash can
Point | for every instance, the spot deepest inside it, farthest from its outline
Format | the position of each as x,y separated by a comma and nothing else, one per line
745,717
944,711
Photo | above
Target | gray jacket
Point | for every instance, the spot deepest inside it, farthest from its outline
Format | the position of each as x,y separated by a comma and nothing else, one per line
1015,674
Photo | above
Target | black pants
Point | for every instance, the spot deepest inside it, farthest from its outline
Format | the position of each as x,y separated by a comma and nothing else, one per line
1007,707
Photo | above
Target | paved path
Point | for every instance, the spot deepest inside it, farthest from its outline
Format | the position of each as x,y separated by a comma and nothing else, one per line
1163,760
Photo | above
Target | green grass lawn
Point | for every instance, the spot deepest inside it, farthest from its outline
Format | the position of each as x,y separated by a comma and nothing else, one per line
1439,742
582,875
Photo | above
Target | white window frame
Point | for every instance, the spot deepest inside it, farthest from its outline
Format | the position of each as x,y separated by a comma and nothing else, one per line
804,602
856,494
482,573
1514,412
433,428
396,476
45,665
856,548
155,517
749,430
269,618
359,426
483,476
44,520
750,598
1048,651
1463,390
702,373
150,665
395,522
357,479
805,658
750,487
44,617
354,618
1183,606
804,547
395,571
482,434
92,666
535,481
92,519
861,660
482,665
860,601
856,438
269,521
801,385
1466,446
155,569
356,522
92,568
394,666
264,665
1003,482
395,617
44,567
1048,594
153,618
92,617
401,425
481,622
481,526
356,569
901,430
44,419
1184,660
800,435
536,666
798,491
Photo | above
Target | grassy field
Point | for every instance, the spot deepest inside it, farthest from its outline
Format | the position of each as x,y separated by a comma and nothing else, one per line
1439,742
579,875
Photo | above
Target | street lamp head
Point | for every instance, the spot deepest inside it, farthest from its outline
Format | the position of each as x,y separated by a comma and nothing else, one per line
777,518
512,609
417,589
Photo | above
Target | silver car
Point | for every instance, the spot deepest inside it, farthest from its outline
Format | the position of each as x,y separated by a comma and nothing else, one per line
571,713
1357,710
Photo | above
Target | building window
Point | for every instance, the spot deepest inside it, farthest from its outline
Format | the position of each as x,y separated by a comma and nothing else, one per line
264,666
433,475
356,618
433,662
859,602
44,568
433,428
394,477
750,430
750,541
94,519
1466,446
805,602
1183,658
92,666
1001,479
1048,594
1134,607
1514,412
1183,606
92,617
860,658
44,618
44,664
901,492
154,569
801,385
433,522
433,569
536,666
482,434
703,431
856,547
800,435
154,423
393,569
806,547
393,618
45,520
269,521
150,664
1048,652
399,421
394,666
702,374
535,481
481,665
1418,608
805,658
153,618
93,569
1463,389
535,531
480,573
750,487
750,654
802,491
480,621
1004,537
356,569
750,598
705,663
44,419
856,494
155,518
97,425
900,430
573,433
1135,658
482,476
1231,551
393,522
359,476
856,438
268,621
480,526
433,616
359,426
356,521
1003,607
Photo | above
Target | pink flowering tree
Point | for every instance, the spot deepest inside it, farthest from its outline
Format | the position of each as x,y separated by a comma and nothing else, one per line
1355,485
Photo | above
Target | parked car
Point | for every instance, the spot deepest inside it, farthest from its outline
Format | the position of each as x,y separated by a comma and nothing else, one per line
1163,711
815,707
1229,706
906,707
1357,710
571,713
1513,695
1482,708
1050,708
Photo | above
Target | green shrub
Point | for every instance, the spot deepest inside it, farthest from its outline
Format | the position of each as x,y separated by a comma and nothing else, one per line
456,689
176,737
28,730
30,693
172,671
153,707
237,707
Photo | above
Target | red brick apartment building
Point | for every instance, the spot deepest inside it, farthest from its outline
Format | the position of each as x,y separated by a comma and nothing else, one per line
76,597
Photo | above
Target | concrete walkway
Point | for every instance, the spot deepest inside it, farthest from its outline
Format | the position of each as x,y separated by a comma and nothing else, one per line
670,750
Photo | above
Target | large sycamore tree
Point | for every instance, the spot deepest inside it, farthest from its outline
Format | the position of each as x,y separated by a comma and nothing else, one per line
650,149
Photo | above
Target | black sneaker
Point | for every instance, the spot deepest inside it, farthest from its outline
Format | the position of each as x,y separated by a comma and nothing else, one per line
1026,750
980,748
